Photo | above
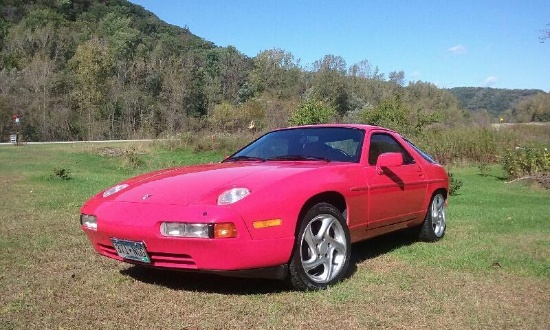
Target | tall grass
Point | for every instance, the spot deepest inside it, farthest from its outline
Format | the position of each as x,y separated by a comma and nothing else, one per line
480,144
224,143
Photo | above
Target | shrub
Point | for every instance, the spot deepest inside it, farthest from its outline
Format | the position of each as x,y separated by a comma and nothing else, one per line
312,112
131,159
395,114
454,184
226,117
525,161
62,173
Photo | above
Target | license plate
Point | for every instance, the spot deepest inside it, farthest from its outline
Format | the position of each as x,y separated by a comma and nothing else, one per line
131,250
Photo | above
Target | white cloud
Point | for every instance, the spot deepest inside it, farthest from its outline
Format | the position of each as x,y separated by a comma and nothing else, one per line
458,49
490,81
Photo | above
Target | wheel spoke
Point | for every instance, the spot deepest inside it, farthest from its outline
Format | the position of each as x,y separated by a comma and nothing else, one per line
313,263
337,246
310,238
329,267
326,225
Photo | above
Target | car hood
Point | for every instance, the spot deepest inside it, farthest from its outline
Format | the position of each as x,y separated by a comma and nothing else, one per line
202,184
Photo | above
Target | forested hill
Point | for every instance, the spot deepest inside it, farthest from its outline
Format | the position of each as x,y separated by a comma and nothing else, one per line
493,100
108,69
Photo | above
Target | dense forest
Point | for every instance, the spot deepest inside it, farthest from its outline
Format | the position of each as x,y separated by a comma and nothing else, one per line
108,69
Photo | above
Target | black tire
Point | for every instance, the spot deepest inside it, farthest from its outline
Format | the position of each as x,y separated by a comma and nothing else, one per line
435,223
322,249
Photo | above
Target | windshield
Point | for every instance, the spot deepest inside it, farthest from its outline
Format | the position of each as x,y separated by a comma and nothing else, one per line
329,144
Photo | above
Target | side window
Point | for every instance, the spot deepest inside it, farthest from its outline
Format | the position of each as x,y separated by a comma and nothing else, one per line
382,143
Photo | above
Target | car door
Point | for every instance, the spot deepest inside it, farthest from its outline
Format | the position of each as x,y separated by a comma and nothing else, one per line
396,194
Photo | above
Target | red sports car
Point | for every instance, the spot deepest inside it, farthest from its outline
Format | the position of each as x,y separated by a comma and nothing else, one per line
288,205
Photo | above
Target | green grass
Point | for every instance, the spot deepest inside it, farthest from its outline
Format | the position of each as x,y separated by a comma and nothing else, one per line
490,271
494,227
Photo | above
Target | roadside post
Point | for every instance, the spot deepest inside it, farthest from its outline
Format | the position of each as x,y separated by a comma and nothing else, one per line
17,121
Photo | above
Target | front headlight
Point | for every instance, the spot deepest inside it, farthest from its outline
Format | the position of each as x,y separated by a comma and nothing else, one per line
232,196
114,190
199,230
88,221
181,229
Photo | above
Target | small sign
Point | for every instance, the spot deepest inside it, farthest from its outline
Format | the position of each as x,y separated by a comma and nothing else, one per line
13,138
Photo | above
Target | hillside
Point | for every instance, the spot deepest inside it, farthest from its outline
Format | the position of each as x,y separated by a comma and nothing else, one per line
109,69
494,100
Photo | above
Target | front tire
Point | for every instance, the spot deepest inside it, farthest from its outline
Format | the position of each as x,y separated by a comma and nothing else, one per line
322,249
435,223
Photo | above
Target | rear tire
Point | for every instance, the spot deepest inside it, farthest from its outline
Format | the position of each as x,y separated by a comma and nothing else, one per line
435,223
322,249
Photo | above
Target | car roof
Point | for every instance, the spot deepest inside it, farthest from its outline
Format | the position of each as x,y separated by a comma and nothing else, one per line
364,127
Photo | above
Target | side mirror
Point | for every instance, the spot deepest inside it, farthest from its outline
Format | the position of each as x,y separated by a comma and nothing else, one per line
388,159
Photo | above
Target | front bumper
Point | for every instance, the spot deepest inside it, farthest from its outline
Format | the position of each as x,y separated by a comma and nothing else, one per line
240,256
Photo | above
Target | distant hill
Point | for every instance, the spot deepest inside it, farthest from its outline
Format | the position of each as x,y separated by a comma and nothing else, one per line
494,100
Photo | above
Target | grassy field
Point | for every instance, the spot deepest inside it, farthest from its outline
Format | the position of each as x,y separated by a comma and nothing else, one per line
491,271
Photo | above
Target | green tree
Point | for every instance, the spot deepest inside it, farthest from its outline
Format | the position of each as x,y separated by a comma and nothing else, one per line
123,39
234,118
395,114
535,108
233,70
397,77
275,71
93,65
38,77
330,83
432,100
312,112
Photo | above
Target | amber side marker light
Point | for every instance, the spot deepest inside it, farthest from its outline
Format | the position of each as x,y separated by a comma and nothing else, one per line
225,230
267,223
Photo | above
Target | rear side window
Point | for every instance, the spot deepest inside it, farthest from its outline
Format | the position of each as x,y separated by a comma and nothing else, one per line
422,153
381,143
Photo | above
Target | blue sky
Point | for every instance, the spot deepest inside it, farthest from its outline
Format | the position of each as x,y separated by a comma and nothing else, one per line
485,43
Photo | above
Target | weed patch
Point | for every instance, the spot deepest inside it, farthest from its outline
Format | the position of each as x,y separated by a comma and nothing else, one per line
62,173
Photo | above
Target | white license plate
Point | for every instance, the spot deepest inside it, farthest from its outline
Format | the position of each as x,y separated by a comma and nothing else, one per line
131,250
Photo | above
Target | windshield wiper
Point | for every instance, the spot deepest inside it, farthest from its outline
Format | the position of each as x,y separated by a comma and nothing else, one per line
243,158
299,157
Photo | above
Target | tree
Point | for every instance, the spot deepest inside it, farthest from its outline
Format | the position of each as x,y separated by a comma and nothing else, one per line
275,71
367,86
233,68
364,70
432,100
536,108
123,39
312,112
395,114
397,77
38,77
330,83
93,65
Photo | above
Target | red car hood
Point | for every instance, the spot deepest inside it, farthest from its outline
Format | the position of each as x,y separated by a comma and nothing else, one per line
203,183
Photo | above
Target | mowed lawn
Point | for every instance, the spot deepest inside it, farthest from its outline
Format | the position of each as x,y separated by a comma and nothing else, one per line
491,270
